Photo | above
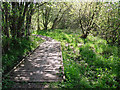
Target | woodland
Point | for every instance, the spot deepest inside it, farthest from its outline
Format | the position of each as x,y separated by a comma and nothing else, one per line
89,33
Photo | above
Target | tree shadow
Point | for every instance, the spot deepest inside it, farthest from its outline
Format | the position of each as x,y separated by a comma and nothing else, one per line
41,66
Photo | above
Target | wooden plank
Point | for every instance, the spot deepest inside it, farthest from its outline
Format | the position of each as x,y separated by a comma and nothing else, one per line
42,65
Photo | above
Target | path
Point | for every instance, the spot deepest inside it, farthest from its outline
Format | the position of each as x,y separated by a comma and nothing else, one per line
43,65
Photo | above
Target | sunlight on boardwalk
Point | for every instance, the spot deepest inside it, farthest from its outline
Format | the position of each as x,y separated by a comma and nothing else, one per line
43,65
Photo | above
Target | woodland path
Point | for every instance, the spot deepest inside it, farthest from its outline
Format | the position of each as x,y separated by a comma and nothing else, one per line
45,64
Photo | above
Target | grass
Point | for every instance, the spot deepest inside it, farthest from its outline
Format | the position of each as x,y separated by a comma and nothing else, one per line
89,63
14,55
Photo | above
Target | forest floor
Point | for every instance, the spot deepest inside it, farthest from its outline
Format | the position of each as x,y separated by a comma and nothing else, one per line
88,63
42,66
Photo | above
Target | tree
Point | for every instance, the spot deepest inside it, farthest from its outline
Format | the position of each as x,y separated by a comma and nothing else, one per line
60,14
108,22
87,16
46,11
28,19
16,21
5,11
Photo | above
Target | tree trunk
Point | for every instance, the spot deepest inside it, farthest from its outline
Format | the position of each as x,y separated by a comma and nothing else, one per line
22,20
12,20
45,26
55,20
6,20
28,19
38,19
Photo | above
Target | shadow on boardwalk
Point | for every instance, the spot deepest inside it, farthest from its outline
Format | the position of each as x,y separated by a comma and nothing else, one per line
43,65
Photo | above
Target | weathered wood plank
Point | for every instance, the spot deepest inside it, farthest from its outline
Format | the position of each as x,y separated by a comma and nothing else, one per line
43,65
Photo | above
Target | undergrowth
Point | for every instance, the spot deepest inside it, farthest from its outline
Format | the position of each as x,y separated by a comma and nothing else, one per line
17,50
88,63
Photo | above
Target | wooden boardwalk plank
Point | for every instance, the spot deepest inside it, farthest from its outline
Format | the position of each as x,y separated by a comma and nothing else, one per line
43,65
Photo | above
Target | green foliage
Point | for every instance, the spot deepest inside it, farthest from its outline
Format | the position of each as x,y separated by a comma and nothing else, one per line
7,83
89,62
94,64
17,50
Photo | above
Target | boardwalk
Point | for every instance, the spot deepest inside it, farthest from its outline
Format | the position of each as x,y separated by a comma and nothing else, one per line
43,65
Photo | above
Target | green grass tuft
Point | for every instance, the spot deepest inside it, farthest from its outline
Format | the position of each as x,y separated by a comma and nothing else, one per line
93,64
